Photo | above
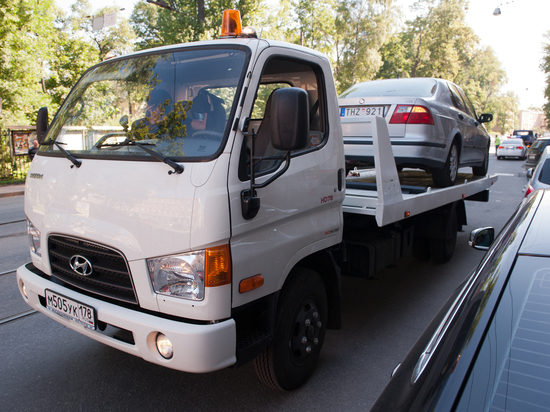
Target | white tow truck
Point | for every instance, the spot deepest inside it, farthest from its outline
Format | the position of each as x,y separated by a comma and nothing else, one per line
188,205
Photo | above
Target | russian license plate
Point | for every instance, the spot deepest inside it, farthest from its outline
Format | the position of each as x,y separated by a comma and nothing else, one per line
362,111
71,309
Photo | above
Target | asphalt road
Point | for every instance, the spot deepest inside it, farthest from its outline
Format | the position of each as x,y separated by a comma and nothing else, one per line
45,366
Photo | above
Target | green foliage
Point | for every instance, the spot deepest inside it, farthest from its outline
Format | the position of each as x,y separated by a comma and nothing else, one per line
200,20
439,43
116,39
545,67
362,28
25,33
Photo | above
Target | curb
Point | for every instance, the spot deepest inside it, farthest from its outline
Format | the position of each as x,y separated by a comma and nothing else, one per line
12,194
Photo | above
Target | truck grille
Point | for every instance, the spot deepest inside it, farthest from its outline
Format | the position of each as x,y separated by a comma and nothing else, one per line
109,277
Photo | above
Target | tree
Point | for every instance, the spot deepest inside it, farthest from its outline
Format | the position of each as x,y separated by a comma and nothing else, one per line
505,111
481,76
71,57
25,36
189,22
438,40
362,27
117,39
545,67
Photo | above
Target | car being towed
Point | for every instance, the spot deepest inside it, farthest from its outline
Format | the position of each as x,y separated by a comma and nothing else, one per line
432,125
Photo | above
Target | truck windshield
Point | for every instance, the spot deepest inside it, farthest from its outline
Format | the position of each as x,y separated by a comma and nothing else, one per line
177,103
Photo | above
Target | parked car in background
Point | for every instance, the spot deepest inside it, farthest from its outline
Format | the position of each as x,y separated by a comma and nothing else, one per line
535,151
527,135
539,177
432,125
512,148
487,349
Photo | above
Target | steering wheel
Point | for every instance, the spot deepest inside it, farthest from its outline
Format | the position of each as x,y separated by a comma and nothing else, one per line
208,135
107,136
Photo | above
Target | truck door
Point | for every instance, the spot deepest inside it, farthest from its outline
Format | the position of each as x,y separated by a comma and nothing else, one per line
300,212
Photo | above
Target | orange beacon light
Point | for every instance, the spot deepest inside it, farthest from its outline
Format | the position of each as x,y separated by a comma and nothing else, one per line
231,23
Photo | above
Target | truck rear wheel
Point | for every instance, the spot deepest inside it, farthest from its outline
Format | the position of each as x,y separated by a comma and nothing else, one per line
442,249
299,333
421,248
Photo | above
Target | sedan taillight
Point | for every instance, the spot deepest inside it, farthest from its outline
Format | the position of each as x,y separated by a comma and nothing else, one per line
411,115
519,147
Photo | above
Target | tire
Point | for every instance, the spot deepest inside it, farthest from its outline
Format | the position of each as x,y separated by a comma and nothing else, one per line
421,248
447,175
300,328
442,249
499,157
484,168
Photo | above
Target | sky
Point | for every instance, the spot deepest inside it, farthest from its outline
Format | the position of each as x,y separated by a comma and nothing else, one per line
516,36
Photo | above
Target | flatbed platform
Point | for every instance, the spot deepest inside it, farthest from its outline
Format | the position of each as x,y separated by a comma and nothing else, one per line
390,196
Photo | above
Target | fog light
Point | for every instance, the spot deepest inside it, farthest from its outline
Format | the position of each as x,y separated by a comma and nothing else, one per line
164,346
24,290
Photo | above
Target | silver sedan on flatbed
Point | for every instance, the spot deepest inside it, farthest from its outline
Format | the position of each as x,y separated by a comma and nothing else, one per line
432,125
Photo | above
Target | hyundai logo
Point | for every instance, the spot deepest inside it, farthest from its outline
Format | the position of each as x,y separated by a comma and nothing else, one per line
81,265
361,101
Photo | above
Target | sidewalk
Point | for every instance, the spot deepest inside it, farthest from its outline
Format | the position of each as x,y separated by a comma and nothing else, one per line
12,190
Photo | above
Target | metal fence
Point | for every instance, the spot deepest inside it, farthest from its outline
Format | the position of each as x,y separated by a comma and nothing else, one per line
14,146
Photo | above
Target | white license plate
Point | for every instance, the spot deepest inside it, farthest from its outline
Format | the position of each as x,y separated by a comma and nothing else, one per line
362,111
71,309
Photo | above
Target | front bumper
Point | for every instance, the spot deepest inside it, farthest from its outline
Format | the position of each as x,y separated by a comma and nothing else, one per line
198,348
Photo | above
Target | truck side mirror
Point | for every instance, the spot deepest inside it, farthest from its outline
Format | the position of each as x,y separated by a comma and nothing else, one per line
289,118
41,124
289,130
481,239
485,118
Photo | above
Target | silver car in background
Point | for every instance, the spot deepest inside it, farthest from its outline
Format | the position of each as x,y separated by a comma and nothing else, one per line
514,147
431,122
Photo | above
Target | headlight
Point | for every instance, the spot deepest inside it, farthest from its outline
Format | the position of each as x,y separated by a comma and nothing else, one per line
186,275
34,238
181,276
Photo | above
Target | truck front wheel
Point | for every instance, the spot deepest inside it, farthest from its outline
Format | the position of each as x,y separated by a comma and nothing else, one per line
299,333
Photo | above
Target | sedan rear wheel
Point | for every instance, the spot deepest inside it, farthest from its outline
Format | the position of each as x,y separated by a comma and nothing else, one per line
482,170
447,176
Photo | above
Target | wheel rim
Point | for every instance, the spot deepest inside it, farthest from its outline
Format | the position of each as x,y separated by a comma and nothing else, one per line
453,163
304,339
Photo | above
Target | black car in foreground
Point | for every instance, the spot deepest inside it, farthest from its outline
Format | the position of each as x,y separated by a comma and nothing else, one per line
488,349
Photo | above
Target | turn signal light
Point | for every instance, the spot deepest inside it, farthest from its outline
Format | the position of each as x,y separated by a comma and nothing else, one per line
217,267
252,283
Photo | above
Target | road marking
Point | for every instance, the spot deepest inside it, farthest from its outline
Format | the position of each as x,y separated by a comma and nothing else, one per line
505,174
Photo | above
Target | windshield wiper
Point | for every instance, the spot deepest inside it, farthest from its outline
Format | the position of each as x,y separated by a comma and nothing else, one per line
69,156
143,146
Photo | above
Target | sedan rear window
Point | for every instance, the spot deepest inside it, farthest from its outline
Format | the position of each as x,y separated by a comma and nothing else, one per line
545,173
539,146
512,142
414,87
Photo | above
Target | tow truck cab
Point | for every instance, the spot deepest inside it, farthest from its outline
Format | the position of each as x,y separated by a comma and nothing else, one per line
175,194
